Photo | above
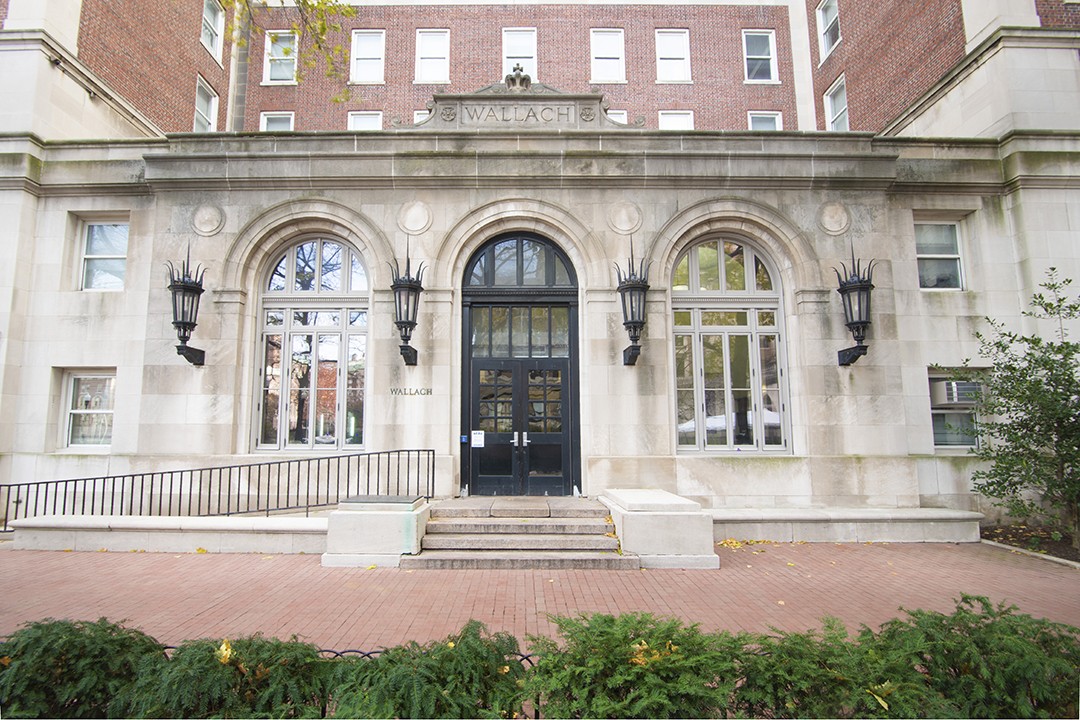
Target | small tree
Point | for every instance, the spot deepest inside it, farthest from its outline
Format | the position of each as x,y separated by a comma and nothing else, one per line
1029,412
316,21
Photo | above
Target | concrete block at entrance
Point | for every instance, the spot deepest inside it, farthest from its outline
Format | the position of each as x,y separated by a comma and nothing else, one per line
375,530
661,528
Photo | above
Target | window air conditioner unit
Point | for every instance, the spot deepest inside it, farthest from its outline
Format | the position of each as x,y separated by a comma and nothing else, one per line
953,392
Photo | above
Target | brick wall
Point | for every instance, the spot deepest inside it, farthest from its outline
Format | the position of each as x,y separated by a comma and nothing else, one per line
150,53
718,95
3,12
889,53
1058,14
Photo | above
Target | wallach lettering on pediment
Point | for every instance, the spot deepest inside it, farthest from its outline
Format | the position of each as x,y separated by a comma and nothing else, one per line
518,103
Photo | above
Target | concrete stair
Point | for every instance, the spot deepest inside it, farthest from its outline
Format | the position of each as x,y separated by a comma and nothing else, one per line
520,533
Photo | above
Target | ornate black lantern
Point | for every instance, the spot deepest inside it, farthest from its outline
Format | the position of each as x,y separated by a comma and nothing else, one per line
407,291
855,295
633,285
186,288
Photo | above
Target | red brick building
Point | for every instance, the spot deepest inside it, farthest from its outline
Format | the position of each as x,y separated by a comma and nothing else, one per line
790,65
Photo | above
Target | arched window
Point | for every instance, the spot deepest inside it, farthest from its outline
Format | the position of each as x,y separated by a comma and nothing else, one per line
729,360
314,315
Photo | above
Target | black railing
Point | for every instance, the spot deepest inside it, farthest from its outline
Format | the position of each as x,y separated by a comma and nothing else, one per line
264,487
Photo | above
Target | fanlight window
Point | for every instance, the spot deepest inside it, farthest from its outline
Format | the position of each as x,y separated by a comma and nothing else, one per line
729,368
519,262
314,320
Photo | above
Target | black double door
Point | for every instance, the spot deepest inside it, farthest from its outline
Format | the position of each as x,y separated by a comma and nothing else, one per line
520,439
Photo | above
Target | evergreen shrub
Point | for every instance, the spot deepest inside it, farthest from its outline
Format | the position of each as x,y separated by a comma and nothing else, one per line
70,669
250,676
471,674
633,666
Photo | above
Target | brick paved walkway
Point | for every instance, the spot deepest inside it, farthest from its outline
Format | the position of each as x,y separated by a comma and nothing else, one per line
178,597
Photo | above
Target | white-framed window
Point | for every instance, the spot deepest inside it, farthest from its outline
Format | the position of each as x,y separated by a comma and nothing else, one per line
365,120
619,116
206,105
519,48
276,121
433,56
937,247
759,53
729,351
675,119
836,113
213,27
89,408
312,368
952,409
608,53
764,120
368,57
104,255
673,56
279,58
419,116
828,22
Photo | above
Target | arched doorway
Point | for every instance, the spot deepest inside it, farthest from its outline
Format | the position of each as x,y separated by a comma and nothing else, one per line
520,369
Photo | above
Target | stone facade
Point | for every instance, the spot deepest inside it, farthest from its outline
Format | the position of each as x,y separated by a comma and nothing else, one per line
552,166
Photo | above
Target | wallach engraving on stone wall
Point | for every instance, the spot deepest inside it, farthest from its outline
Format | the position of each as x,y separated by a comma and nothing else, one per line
521,104
410,392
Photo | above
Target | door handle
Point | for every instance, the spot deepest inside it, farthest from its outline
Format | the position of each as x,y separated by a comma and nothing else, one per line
524,439
515,439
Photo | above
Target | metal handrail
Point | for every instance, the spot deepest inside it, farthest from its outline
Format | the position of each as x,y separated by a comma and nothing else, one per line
263,487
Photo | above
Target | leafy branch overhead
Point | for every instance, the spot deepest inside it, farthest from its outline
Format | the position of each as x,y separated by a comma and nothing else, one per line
316,23
1029,409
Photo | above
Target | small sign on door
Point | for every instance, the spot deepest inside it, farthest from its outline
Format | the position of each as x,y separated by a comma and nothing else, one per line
477,439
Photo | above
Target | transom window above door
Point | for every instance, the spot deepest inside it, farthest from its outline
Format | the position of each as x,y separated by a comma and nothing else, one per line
313,349
730,384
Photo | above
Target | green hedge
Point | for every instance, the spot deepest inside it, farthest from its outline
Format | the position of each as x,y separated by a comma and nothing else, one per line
980,661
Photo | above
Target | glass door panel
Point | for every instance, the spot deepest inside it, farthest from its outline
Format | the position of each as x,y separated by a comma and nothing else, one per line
741,395
271,395
326,390
300,390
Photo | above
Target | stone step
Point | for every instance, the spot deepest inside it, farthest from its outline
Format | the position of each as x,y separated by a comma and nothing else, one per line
519,560
575,526
521,541
518,507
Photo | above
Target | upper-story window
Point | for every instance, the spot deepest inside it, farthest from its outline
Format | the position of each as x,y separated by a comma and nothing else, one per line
276,121
608,55
673,56
366,120
759,51
937,247
519,48
433,56
104,257
675,119
206,103
764,120
368,57
836,110
279,64
213,27
828,22
619,116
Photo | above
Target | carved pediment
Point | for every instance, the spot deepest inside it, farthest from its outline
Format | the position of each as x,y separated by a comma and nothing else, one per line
518,103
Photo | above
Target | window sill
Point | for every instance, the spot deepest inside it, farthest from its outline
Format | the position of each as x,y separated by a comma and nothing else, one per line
607,82
674,82
431,82
369,83
941,290
762,82
279,83
85,450
215,54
